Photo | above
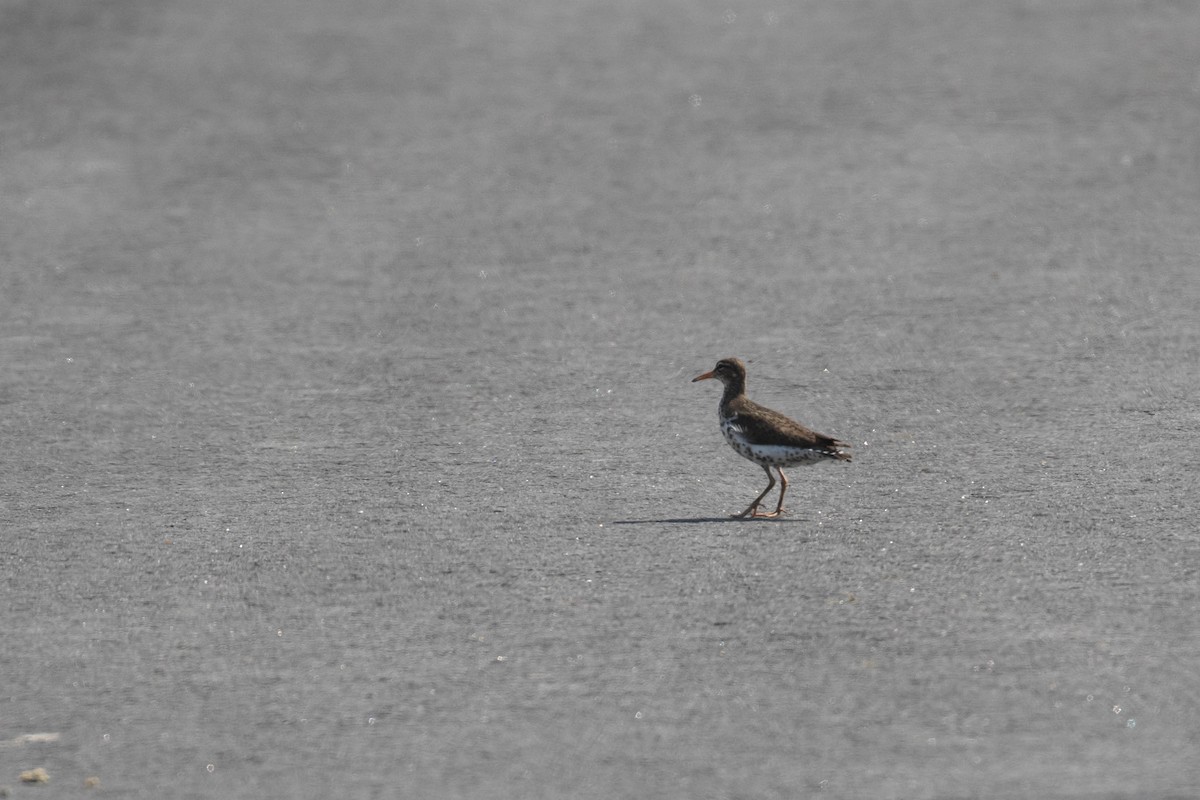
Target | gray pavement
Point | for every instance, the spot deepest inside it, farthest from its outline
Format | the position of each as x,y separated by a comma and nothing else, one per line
350,448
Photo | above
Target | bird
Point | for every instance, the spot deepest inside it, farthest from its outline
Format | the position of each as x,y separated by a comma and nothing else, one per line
766,437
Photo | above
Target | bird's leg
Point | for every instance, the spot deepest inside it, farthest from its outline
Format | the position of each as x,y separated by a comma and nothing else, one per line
783,484
752,509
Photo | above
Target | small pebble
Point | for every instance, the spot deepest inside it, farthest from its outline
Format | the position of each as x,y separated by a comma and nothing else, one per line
38,775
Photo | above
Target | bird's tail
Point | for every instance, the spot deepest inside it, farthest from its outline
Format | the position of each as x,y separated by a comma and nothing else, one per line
838,450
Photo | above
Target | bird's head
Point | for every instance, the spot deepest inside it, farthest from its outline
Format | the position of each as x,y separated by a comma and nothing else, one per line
729,371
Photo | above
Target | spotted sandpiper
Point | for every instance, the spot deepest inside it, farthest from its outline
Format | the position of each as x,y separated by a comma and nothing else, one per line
766,437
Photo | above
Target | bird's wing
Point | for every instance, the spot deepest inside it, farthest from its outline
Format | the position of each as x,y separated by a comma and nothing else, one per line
765,426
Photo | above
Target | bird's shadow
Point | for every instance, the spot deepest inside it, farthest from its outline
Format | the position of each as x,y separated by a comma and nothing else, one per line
694,520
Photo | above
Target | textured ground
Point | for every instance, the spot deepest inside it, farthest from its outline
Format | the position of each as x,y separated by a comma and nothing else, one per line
350,449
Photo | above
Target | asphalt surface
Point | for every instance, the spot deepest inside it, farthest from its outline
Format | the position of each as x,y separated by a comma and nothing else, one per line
349,440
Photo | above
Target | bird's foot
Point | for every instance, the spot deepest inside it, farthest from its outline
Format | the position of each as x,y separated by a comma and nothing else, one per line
753,513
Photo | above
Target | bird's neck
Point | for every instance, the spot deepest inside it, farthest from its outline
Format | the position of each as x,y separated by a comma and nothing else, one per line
733,391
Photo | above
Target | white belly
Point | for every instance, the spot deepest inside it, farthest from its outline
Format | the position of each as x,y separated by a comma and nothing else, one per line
772,454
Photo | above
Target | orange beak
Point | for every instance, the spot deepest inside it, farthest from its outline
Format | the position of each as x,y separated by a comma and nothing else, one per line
703,377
